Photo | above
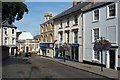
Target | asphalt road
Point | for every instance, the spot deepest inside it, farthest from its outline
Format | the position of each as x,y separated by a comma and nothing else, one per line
36,67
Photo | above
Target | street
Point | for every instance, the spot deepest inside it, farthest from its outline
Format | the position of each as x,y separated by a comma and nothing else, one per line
38,67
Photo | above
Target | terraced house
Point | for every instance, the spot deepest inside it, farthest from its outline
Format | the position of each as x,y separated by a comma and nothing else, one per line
68,29
102,20
47,36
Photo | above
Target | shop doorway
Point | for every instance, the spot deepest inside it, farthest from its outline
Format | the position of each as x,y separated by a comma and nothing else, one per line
112,59
75,52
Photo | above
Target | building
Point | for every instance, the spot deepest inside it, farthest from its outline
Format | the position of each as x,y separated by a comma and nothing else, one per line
26,43
68,29
8,37
47,35
102,20
47,29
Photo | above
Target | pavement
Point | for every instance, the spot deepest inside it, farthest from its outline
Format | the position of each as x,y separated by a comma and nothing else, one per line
107,72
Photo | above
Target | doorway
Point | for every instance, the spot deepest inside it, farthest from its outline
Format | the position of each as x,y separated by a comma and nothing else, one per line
12,51
27,49
112,59
75,52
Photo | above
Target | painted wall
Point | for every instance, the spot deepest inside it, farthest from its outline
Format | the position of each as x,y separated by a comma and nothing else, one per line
119,32
9,36
71,32
103,25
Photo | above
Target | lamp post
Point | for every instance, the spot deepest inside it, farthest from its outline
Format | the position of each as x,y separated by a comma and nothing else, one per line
101,38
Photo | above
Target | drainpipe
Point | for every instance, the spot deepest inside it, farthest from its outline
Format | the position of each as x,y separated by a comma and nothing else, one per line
82,38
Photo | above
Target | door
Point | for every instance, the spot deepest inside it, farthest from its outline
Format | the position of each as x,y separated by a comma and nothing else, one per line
27,49
12,51
112,59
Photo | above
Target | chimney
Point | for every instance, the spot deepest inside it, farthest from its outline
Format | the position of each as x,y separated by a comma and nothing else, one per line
75,2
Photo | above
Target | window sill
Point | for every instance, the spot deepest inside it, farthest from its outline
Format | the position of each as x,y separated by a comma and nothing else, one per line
96,60
112,17
94,21
60,28
67,26
75,24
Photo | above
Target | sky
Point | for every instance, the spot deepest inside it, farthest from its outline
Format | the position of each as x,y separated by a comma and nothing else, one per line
31,21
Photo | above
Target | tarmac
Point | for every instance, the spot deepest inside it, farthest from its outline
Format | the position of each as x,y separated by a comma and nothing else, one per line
107,72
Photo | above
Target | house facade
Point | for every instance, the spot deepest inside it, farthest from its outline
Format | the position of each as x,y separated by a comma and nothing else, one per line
47,36
68,29
26,43
8,37
102,20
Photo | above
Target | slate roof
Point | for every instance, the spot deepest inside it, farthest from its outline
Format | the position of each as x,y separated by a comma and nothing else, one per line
72,9
69,11
97,5
6,24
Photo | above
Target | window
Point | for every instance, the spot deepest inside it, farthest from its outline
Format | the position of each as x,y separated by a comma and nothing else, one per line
95,34
13,40
75,37
60,39
46,38
96,55
6,41
13,31
68,22
5,31
96,15
75,19
41,28
111,11
60,24
46,27
67,38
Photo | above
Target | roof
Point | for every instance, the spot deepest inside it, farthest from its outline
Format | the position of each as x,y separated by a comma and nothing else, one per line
25,36
76,8
6,24
69,11
97,5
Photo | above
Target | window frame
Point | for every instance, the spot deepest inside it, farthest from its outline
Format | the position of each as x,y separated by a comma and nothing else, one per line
95,59
13,31
67,22
75,38
98,15
61,24
108,13
5,30
93,38
74,20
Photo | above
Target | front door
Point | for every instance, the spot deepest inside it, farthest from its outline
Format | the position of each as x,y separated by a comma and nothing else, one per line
112,59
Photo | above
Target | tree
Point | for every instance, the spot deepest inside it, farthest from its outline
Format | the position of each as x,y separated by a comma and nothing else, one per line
12,11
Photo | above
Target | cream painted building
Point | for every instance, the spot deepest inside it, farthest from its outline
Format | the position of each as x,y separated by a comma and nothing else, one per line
26,43
68,28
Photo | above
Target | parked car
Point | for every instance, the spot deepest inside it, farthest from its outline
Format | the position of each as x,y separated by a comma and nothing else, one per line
28,54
